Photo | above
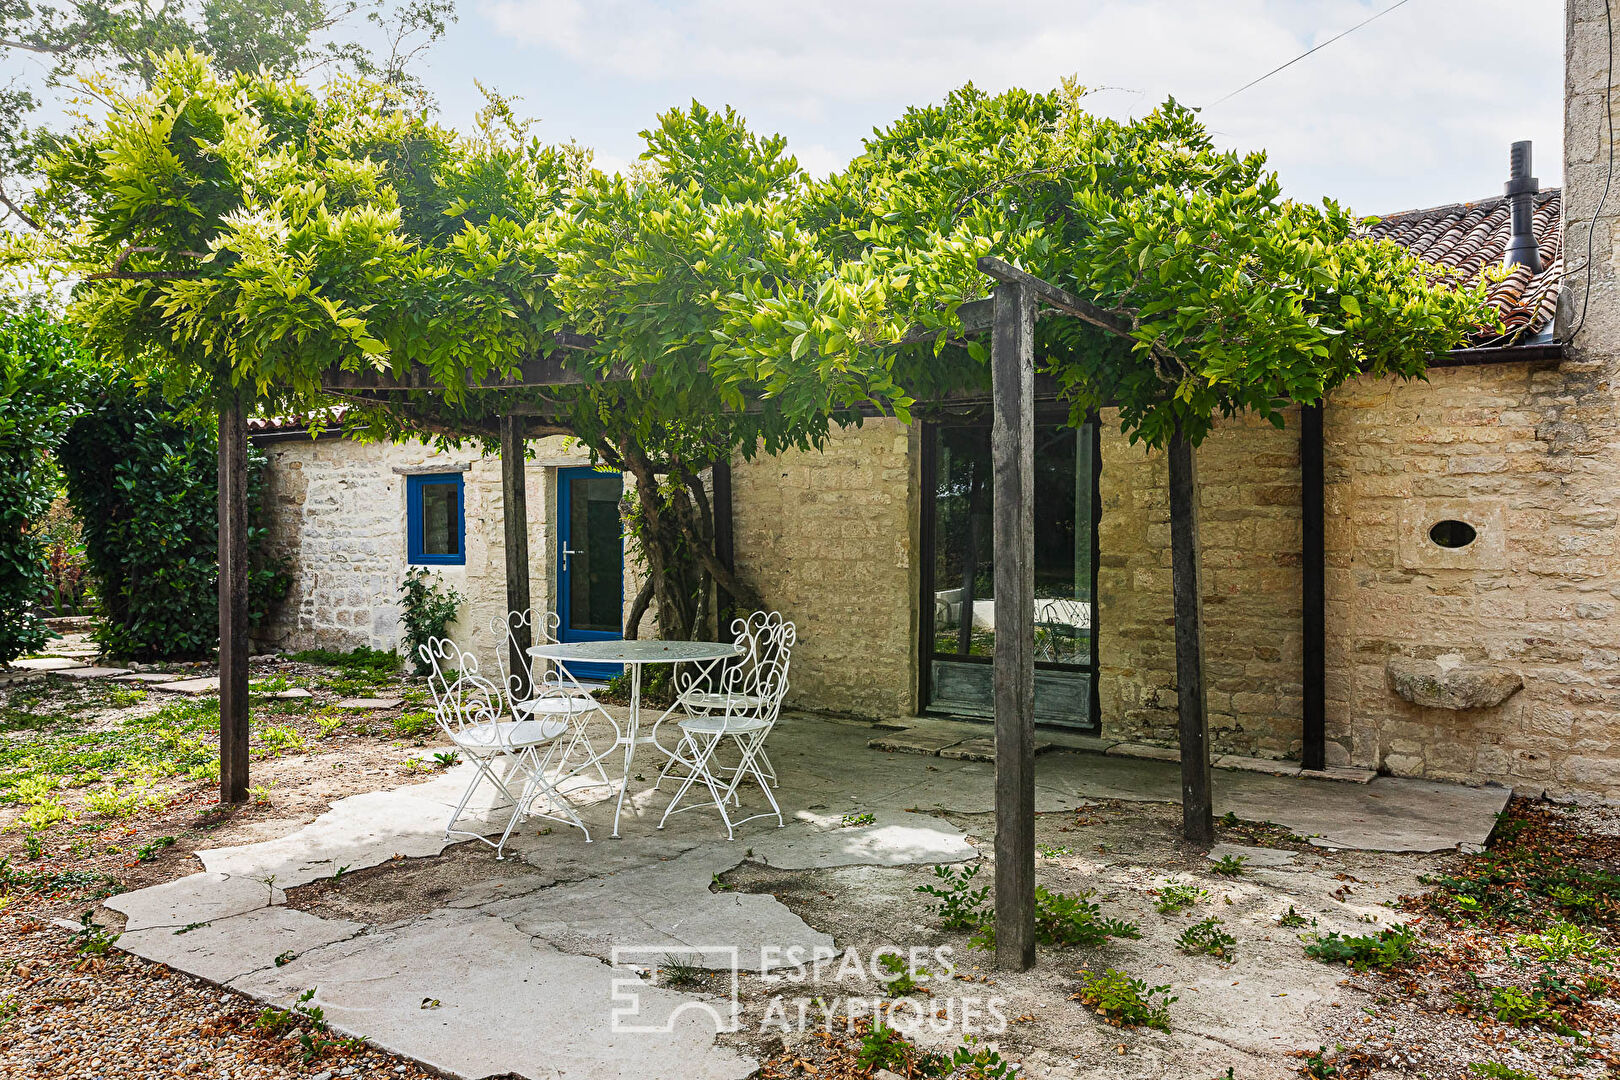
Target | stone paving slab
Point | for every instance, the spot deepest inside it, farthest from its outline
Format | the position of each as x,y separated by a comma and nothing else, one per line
506,1005
1144,751
194,898
1253,856
148,677
194,687
47,663
371,703
294,694
915,742
1254,764
93,672
229,948
984,749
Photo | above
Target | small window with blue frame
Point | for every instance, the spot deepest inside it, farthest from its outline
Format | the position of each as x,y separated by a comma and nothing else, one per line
436,527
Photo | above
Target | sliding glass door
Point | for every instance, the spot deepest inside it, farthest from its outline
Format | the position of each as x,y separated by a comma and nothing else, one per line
959,573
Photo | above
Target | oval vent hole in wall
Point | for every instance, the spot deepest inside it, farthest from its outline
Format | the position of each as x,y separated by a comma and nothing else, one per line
1452,534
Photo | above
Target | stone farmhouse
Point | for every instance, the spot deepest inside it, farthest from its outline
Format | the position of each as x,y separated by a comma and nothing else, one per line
1417,578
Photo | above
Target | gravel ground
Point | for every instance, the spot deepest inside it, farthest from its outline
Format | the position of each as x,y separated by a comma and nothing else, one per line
67,1013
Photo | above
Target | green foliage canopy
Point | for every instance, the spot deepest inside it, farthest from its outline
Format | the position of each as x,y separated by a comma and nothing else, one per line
39,397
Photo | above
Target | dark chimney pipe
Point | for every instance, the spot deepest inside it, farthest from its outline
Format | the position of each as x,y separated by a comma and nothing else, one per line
1521,191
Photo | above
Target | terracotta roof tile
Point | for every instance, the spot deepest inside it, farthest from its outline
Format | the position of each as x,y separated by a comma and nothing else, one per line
1471,238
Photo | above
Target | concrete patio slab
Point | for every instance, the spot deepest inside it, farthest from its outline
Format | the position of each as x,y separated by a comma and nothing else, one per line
912,741
227,949
193,899
665,907
507,1006
370,703
983,748
1253,856
147,677
532,962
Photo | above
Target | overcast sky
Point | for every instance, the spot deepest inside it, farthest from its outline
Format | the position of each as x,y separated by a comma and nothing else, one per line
1416,109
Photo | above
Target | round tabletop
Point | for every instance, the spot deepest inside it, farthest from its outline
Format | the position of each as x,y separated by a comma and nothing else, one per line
637,652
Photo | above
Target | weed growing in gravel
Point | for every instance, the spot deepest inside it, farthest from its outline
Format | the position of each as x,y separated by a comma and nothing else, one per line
957,902
315,1040
1047,851
10,1006
74,884
149,851
41,815
92,939
1535,862
1291,918
883,1047
1318,1067
444,759
1511,1005
412,724
1389,948
278,740
1494,1070
327,726
1176,896
1231,865
33,847
855,821
1565,941
109,802
1125,1002
905,980
377,665
678,971
260,793
1073,919
1207,939
123,699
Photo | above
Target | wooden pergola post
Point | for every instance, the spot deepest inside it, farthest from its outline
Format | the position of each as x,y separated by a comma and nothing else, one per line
1197,813
233,602
515,519
1012,455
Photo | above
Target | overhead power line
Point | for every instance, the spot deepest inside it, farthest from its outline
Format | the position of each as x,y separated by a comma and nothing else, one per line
1314,48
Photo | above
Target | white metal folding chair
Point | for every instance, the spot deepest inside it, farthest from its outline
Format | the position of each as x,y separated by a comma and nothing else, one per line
743,709
545,692
701,691
473,716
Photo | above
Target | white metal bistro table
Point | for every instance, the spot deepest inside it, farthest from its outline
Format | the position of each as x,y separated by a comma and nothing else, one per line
633,655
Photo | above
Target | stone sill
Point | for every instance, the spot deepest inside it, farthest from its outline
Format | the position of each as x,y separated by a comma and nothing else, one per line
934,737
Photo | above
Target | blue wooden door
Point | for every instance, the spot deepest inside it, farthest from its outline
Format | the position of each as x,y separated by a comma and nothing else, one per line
590,562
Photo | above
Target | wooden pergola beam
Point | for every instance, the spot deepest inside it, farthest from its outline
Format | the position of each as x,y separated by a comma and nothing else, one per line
539,371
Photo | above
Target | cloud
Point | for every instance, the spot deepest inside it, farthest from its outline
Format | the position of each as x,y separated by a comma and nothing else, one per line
1417,107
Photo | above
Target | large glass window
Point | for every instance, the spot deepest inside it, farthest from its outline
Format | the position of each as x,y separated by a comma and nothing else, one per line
959,598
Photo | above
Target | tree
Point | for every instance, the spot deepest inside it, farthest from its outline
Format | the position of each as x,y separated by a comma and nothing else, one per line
118,45
142,475
39,379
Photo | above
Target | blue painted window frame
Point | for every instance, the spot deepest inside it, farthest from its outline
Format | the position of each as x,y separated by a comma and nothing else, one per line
413,519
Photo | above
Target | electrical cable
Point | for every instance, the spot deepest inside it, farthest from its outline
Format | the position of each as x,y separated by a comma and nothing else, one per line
1314,48
1608,98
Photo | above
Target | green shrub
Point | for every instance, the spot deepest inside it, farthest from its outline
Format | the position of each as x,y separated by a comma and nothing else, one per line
428,609
40,375
1073,919
412,724
957,903
1386,949
1511,1005
1124,1001
1565,941
143,477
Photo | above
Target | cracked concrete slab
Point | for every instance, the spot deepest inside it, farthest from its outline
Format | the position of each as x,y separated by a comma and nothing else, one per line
507,1005
665,907
192,899
895,838
229,948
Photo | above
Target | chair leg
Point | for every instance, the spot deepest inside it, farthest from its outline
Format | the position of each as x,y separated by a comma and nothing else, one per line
699,763
753,746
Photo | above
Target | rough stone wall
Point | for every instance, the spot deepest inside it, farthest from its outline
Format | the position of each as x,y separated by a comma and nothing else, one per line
337,511
828,538
1249,529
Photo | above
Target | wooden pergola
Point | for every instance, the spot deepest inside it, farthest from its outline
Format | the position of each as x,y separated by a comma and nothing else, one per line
1009,317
